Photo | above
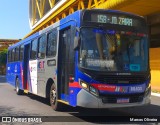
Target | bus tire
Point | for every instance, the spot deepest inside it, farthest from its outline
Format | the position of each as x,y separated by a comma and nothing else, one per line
18,90
57,106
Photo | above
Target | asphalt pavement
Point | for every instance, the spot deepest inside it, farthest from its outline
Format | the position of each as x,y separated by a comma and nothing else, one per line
31,105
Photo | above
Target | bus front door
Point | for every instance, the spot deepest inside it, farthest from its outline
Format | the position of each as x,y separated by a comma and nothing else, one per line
66,62
26,67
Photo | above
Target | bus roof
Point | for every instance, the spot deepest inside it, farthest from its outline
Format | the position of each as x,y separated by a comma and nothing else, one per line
65,19
24,41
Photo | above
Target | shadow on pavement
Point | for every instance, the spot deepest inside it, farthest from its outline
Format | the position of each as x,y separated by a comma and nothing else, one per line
101,115
10,111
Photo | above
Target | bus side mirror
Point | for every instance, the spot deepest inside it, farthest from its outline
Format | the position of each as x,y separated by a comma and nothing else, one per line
76,43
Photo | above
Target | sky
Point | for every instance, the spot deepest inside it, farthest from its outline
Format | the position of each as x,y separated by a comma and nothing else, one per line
14,19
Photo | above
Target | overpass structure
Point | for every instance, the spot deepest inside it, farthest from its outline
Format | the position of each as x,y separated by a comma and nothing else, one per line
43,13
5,43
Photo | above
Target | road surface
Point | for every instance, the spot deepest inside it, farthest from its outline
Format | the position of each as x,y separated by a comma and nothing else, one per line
31,105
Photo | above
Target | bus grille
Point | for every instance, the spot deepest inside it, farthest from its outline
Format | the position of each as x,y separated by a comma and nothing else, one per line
113,98
109,79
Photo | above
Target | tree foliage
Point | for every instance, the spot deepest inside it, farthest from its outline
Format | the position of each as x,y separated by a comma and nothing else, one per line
3,57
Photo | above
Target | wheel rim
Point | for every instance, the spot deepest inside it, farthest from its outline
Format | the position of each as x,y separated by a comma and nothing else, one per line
53,96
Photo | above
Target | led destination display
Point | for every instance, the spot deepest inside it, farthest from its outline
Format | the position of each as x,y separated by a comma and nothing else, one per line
112,18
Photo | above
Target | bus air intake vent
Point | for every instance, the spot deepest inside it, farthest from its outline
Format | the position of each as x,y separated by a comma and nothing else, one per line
111,79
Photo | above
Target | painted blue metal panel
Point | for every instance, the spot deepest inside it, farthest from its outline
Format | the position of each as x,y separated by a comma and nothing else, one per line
13,71
65,97
73,95
71,20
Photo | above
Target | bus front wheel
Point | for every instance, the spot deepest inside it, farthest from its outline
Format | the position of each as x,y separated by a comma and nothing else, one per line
53,99
18,90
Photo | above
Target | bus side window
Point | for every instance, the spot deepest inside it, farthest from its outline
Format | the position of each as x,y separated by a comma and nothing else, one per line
21,49
42,47
13,55
34,49
52,44
17,54
9,55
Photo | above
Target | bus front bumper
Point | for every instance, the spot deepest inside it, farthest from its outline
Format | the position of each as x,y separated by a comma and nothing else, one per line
85,99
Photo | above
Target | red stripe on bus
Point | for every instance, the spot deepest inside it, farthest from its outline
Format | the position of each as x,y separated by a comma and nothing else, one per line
22,76
74,84
103,87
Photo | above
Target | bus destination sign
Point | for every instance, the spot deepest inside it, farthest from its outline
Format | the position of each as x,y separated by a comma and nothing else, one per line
114,19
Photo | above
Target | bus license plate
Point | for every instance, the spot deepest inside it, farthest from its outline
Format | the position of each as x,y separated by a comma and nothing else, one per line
123,100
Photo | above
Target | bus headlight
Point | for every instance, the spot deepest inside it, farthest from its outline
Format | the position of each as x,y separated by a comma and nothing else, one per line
89,88
84,85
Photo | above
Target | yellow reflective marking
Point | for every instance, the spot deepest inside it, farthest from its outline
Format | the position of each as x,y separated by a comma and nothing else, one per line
63,102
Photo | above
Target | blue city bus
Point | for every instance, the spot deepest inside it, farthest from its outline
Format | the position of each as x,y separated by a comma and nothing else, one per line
91,58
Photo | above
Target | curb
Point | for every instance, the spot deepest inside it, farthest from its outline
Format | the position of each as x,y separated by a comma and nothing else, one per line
155,94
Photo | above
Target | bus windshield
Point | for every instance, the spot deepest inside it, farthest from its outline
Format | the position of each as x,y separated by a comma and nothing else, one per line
113,50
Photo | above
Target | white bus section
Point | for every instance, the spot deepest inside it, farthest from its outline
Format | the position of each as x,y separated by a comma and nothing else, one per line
33,75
